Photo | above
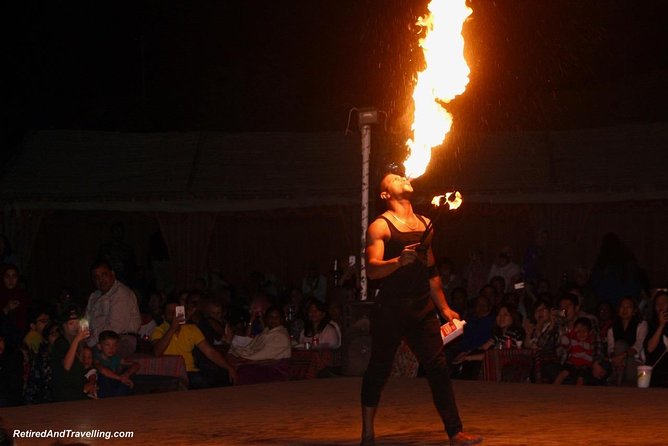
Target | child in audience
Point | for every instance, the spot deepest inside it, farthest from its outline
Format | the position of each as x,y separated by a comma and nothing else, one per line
114,371
38,387
38,319
579,345
90,385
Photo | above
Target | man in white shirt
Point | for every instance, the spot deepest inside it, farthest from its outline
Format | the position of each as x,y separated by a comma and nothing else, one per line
112,306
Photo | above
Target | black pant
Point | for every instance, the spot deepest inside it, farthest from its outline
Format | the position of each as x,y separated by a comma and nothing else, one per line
417,321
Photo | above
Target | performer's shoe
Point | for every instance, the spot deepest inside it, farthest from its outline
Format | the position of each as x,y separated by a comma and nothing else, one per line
462,439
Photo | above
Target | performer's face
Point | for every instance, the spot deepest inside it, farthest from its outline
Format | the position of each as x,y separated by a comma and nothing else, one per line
394,185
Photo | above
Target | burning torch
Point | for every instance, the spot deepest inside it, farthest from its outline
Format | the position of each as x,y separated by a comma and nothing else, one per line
453,200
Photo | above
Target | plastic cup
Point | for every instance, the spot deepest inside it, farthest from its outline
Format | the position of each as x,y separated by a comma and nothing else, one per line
644,376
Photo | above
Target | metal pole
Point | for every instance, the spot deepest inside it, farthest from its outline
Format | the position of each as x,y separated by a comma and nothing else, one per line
366,150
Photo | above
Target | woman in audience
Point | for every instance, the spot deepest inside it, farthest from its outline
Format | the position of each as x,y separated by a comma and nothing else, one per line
507,332
319,330
14,303
656,340
625,341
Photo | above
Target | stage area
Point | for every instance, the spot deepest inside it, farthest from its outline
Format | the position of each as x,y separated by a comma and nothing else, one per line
326,412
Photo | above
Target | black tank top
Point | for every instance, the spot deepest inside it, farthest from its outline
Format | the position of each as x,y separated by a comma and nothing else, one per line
410,281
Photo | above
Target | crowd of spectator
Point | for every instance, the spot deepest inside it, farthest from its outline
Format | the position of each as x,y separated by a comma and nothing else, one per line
594,328
70,348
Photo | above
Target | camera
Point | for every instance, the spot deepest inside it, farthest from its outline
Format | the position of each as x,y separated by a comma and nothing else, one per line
558,313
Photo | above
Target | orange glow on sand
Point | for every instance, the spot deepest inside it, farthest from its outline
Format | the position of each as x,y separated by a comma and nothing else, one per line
444,78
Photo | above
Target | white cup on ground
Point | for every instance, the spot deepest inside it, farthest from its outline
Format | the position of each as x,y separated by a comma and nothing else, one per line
644,376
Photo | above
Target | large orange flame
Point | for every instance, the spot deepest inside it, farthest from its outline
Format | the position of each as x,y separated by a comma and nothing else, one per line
445,77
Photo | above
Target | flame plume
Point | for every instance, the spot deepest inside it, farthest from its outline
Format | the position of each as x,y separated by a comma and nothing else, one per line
445,77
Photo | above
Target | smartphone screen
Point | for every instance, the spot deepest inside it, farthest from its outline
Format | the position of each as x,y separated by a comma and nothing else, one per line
180,314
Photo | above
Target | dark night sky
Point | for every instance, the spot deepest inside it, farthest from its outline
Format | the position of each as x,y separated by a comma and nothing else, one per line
300,65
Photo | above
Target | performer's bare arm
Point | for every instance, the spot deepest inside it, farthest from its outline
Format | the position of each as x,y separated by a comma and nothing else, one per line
377,268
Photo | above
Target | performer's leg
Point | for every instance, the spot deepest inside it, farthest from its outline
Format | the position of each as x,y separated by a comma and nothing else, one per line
424,338
386,333
368,415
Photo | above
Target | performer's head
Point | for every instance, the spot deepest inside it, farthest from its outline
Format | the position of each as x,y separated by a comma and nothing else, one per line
394,184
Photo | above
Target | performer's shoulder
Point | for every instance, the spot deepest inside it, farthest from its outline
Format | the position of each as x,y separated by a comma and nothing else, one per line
380,224
380,221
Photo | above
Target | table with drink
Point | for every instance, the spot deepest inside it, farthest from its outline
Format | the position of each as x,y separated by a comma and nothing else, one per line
517,361
309,359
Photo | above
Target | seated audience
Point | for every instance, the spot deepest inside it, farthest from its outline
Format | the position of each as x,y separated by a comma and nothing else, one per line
68,372
272,343
193,306
625,342
319,330
38,387
605,315
214,328
213,323
601,368
578,344
542,336
38,319
112,306
478,330
11,375
294,312
14,304
114,372
458,300
504,267
258,305
151,313
174,337
657,340
90,375
507,332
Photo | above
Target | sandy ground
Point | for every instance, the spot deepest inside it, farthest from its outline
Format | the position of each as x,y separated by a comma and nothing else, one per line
326,412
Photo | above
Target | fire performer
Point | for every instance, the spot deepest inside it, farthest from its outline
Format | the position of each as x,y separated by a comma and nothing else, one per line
410,294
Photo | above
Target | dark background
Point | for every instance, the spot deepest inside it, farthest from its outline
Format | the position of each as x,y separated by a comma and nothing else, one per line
300,65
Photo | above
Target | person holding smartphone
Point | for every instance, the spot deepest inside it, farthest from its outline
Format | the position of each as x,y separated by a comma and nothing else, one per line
410,295
174,338
68,371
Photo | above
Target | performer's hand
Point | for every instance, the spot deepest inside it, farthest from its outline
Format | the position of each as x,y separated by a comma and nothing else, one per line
450,314
408,255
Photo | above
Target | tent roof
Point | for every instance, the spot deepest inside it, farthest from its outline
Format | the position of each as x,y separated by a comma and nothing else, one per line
70,169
